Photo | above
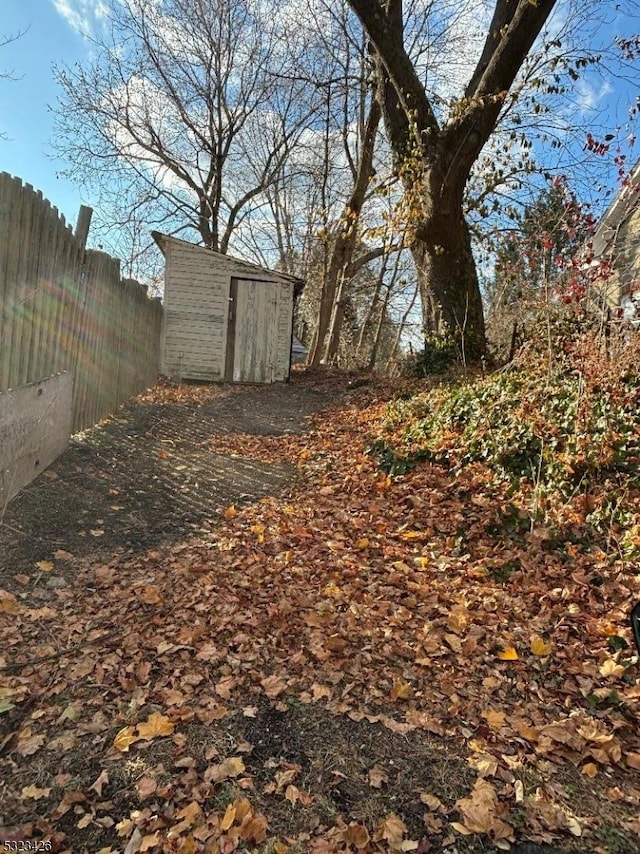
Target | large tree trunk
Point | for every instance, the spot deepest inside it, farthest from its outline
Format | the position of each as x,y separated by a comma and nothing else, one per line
434,159
437,231
448,281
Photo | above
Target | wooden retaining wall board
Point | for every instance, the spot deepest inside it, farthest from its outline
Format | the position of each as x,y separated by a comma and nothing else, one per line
35,425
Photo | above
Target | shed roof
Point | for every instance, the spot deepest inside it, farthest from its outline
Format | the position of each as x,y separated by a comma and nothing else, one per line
245,266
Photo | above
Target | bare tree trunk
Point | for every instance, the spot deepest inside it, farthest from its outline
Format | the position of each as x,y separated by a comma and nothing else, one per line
375,346
401,327
366,322
337,318
330,321
326,294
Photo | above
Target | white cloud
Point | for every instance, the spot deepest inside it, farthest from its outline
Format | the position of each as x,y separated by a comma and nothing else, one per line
590,96
81,15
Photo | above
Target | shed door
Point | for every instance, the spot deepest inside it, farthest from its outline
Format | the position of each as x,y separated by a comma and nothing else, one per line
253,332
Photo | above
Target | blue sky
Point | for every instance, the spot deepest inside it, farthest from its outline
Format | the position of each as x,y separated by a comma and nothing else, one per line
24,115
51,35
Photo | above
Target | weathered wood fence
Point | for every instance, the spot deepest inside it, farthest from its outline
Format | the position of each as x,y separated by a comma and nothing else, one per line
64,308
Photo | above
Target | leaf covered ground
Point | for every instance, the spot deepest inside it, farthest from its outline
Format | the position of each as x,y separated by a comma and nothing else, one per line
397,655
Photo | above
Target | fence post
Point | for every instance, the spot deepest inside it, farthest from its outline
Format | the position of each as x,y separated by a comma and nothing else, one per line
83,223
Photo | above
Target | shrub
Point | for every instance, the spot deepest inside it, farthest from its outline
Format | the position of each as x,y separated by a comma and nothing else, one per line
437,356
570,426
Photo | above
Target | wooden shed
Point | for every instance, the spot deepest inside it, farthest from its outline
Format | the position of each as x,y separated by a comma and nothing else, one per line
224,319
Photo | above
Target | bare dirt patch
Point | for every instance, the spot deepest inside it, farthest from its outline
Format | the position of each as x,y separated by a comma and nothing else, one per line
303,768
157,471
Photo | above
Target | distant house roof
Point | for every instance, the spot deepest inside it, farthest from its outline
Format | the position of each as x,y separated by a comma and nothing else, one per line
163,239
625,202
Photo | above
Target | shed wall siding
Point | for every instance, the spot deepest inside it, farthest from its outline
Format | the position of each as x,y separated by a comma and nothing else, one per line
626,258
196,309
623,252
284,330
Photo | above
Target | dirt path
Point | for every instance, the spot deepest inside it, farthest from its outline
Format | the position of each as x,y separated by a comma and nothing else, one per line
261,684
154,472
